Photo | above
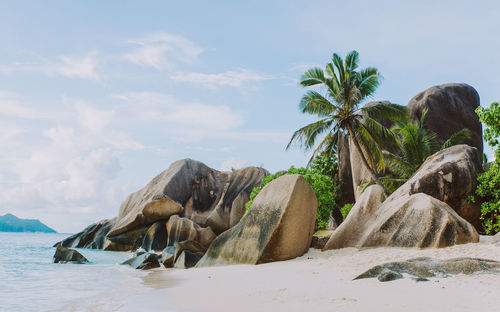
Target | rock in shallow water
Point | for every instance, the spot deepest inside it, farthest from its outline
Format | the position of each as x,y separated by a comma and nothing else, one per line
66,255
422,268
144,261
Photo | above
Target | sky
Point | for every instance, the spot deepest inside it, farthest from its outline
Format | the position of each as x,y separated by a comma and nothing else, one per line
98,97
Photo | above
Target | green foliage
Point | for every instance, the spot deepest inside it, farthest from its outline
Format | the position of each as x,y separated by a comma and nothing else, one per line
414,144
489,181
325,164
491,118
338,109
345,210
326,191
489,190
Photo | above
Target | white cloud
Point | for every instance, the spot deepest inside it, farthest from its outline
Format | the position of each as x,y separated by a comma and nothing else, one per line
233,163
91,118
65,167
163,51
11,106
183,116
77,67
71,66
229,78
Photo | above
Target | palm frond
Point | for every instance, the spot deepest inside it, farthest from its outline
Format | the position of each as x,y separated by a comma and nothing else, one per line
314,103
351,61
329,69
382,135
312,77
368,80
306,136
398,165
328,144
339,64
457,138
386,111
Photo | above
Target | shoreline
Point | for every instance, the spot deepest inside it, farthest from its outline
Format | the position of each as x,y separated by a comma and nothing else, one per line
322,280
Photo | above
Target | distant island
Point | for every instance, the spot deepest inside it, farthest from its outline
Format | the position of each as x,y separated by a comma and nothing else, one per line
11,223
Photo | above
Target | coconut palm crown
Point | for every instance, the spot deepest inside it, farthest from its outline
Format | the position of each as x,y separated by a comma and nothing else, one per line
340,115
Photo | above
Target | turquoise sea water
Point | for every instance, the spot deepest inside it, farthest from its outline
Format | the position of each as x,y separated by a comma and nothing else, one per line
29,281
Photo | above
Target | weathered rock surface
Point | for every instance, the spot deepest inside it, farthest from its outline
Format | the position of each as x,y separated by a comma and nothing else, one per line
278,226
144,261
93,236
424,212
189,245
182,229
156,237
496,239
423,268
190,188
127,241
212,200
187,259
320,238
451,108
66,255
167,260
450,176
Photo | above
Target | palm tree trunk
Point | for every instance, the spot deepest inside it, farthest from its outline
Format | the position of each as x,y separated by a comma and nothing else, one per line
365,162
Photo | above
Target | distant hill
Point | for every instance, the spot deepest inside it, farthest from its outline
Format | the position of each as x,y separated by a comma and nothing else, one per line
11,223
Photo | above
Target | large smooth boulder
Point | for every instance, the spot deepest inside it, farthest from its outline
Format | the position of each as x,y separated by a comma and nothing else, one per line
429,210
190,188
451,108
423,268
66,255
449,175
278,226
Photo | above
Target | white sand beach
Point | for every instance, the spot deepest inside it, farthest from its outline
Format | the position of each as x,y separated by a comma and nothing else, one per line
322,281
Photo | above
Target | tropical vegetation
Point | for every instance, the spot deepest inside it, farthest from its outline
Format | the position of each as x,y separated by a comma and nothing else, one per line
489,181
327,191
413,145
339,112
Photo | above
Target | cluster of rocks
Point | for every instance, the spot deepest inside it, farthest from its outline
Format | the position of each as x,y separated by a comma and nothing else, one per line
188,201
192,215
451,107
178,218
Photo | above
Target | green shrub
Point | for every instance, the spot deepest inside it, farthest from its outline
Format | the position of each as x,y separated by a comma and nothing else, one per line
489,190
489,181
325,189
345,210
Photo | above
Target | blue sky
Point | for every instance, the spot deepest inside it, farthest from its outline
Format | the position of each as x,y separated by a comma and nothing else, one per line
96,97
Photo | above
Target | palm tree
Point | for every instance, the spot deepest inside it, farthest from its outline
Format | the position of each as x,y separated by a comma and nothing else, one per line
414,145
339,112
